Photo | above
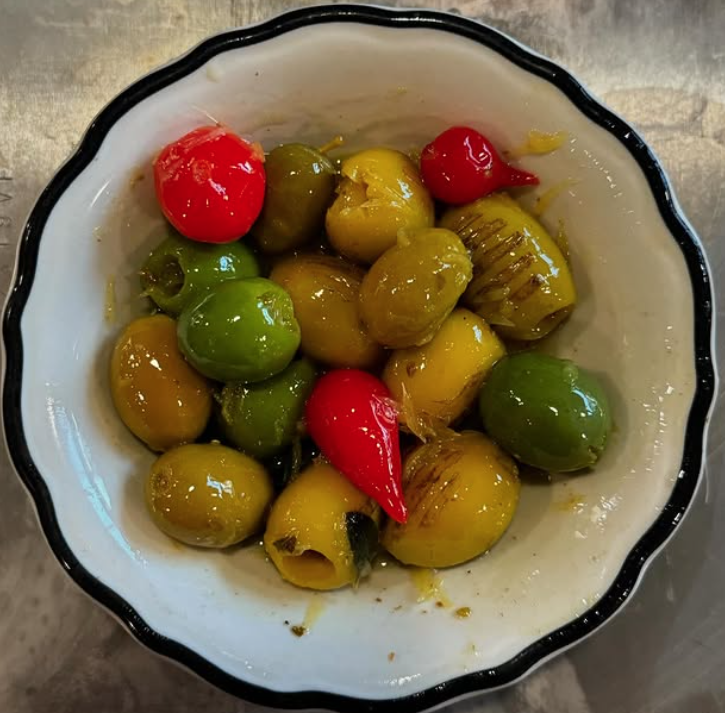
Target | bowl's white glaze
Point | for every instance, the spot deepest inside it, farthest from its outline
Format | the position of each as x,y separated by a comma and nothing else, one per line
633,326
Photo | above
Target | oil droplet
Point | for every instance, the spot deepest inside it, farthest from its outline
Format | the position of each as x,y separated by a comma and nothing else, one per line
538,143
429,586
544,200
109,309
574,502
463,612
314,610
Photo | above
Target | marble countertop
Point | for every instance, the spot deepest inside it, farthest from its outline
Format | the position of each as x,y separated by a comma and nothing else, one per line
660,63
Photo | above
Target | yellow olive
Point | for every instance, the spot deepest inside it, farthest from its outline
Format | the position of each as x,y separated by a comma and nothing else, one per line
521,283
208,495
461,491
437,382
324,291
159,397
412,287
322,530
380,193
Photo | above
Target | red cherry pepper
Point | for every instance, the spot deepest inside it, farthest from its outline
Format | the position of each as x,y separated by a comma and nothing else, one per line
210,184
461,165
352,418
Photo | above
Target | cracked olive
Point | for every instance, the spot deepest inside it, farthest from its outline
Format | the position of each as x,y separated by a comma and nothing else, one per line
325,290
547,412
437,382
412,287
178,270
300,186
208,495
263,418
158,396
241,330
380,193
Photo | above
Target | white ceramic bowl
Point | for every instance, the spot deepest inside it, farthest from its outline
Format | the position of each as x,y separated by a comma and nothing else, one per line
577,546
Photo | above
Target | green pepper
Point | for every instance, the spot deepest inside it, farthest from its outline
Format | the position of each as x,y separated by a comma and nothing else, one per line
241,330
178,270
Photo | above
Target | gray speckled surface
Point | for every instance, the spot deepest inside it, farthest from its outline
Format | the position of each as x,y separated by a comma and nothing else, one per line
660,63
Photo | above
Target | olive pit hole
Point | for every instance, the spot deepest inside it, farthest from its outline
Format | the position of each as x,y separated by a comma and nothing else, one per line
309,565
167,276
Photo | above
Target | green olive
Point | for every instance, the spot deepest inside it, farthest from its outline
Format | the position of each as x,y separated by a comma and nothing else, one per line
380,193
208,495
263,418
325,290
179,270
547,412
241,330
159,397
413,287
300,186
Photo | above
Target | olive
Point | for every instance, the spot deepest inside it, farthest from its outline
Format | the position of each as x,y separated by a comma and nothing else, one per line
208,495
263,418
300,186
412,287
178,270
380,192
522,284
437,382
241,330
159,397
325,290
547,412
311,537
462,491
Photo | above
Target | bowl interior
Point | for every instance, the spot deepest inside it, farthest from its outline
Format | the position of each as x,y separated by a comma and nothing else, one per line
569,539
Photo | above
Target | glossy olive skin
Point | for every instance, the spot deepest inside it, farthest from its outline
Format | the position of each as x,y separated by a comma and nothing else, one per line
300,187
325,291
381,192
241,330
522,285
208,495
178,270
158,396
547,412
462,492
437,382
412,287
262,418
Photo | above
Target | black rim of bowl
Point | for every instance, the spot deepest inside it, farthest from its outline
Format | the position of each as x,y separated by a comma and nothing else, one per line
645,548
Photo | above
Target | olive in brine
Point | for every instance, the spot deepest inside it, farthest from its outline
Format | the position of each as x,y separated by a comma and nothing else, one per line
522,284
437,382
208,495
462,492
159,397
178,270
412,287
547,412
242,330
262,418
300,186
325,291
381,192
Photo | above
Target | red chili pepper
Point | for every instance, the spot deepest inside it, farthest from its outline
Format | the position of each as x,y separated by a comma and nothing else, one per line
461,165
210,184
352,418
